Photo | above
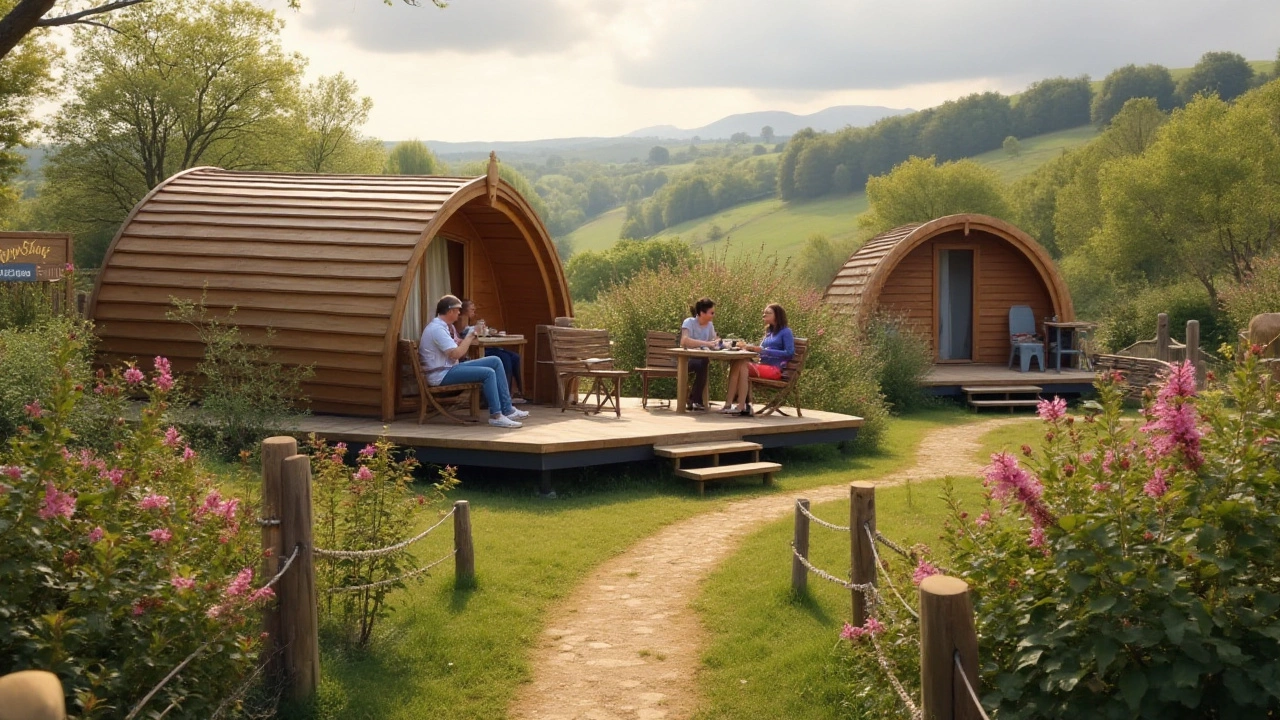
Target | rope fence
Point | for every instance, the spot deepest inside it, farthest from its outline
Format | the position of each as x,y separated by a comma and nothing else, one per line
196,653
944,615
391,581
379,552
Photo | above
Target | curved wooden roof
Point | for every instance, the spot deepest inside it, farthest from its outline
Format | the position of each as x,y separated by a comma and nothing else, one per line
319,267
861,281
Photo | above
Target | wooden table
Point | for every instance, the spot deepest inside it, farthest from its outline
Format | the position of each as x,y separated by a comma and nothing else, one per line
682,368
1077,332
480,343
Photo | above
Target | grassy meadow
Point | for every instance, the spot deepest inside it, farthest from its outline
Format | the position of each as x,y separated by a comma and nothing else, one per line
464,653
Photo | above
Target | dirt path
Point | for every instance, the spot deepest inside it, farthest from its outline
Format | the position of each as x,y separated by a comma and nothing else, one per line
625,645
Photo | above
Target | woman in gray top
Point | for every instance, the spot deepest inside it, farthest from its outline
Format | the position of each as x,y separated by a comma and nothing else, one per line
699,332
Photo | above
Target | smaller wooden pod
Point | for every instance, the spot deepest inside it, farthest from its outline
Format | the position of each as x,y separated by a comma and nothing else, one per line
327,270
931,272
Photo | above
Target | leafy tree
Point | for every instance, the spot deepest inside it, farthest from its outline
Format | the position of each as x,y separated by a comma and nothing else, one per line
24,79
659,155
329,117
1225,74
758,150
790,157
413,157
766,134
1131,81
590,273
842,179
1053,104
1012,147
968,126
1204,199
600,197
920,190
22,17
179,85
740,138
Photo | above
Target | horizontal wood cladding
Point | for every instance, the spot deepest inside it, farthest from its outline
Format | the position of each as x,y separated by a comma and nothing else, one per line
313,265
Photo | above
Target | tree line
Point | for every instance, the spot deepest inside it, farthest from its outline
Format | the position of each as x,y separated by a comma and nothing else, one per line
816,164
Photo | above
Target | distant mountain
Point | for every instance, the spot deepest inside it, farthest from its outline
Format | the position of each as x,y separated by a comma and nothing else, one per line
783,123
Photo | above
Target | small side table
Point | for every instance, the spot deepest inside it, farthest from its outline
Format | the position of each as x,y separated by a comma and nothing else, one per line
1076,334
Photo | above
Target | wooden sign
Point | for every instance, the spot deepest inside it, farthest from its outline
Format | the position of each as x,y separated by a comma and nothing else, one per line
33,256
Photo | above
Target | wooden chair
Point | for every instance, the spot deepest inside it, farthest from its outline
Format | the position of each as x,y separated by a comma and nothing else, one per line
658,360
439,399
788,388
582,354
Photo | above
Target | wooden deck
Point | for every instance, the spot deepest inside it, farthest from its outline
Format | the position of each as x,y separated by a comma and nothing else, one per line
552,440
947,379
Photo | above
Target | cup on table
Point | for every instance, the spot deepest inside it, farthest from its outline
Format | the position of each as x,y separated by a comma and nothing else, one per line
502,333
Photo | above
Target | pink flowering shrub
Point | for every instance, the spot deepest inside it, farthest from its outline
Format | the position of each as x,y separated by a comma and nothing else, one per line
1129,569
109,569
369,507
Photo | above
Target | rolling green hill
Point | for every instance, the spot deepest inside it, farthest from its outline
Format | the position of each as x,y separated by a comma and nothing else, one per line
782,227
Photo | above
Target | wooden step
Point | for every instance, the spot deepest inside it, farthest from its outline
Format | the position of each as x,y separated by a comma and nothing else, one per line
1004,403
1004,389
702,476
706,448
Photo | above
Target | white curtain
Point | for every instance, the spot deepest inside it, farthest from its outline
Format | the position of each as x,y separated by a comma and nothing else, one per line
435,271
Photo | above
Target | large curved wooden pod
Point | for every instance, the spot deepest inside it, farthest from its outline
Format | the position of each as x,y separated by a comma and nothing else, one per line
320,268
897,271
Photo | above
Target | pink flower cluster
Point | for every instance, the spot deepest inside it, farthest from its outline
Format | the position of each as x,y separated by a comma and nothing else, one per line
160,536
97,534
172,438
164,375
57,503
364,474
182,584
1173,420
153,502
240,584
115,476
368,451
12,471
33,409
871,627
1006,478
133,376
1052,410
923,570
215,506
1157,486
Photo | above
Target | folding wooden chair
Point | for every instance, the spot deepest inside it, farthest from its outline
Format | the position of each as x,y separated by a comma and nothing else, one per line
582,354
658,360
440,399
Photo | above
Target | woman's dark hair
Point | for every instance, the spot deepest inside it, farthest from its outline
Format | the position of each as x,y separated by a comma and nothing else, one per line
702,306
447,303
779,318
466,303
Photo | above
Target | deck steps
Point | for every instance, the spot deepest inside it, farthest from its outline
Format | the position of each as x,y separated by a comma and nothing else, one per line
712,451
1002,396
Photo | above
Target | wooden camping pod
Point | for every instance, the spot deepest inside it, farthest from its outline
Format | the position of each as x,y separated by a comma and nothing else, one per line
897,271
321,269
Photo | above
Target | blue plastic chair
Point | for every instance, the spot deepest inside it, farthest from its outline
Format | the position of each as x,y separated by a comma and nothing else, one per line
1023,322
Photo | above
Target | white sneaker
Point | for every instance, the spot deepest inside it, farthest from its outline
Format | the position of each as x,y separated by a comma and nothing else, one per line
517,414
503,421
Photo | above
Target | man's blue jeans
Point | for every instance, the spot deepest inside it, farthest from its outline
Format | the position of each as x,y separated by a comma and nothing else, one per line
487,370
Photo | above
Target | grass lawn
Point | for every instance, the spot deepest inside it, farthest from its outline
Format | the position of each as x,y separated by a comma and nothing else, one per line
599,234
1036,151
771,655
463,654
776,226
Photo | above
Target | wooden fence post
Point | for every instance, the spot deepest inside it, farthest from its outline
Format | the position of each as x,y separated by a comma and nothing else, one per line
862,511
1162,337
299,636
464,559
274,451
799,573
1193,352
946,626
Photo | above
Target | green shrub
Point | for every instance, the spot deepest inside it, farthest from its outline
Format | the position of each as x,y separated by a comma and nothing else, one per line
840,374
1260,293
1130,571
117,566
903,358
244,395
28,366
368,509
1134,316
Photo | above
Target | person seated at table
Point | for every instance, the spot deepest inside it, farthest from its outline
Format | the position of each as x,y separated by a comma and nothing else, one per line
441,351
698,332
776,349
510,361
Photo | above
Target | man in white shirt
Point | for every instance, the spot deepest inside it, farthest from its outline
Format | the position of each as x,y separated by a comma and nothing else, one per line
440,352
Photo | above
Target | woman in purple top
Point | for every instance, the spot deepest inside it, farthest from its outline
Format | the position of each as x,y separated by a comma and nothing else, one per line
776,349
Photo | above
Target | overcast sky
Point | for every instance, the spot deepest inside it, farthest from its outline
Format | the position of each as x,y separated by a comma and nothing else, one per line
530,69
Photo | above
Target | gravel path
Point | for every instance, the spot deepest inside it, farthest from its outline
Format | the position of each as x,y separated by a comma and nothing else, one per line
625,644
